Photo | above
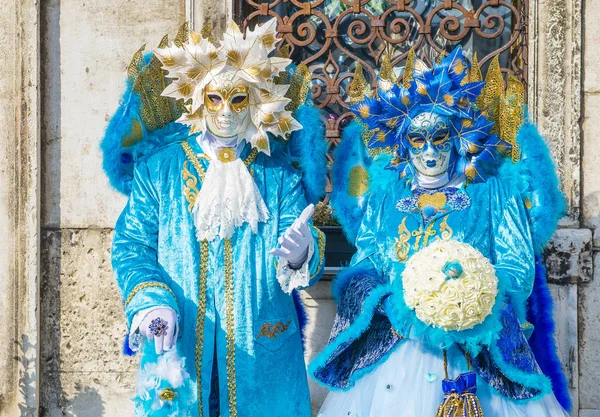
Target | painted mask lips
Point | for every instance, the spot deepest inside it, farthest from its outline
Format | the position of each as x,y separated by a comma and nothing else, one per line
431,164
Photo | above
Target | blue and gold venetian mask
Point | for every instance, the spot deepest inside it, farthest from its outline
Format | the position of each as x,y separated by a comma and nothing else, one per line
430,145
430,120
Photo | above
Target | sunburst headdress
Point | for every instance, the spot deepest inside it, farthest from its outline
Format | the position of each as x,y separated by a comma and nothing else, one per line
197,62
484,119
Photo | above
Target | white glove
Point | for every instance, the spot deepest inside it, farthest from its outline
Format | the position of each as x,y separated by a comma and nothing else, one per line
165,340
296,239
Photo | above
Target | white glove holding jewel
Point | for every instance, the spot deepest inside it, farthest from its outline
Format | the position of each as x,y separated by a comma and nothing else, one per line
165,336
296,239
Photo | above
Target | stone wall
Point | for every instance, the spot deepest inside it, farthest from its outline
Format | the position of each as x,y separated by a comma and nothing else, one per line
66,61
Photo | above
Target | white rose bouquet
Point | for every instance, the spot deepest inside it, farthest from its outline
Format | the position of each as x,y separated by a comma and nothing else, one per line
450,285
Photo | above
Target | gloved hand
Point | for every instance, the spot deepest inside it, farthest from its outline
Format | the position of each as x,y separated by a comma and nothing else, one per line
159,326
296,239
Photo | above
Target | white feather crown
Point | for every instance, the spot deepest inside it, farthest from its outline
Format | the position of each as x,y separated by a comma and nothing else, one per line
197,62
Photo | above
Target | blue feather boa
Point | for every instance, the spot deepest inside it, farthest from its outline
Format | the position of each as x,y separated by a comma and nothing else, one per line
309,148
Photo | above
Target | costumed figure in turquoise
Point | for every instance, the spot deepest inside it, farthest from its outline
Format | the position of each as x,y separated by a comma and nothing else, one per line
444,310
217,233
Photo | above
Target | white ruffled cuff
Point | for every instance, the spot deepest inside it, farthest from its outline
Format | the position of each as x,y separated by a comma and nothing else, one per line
292,279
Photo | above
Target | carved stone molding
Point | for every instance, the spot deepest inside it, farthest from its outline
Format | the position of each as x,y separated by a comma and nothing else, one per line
19,208
555,89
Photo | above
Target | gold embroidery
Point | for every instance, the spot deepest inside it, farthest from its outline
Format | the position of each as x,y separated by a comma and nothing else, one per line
193,159
417,233
200,319
402,246
271,330
144,285
437,201
189,190
445,230
230,328
429,232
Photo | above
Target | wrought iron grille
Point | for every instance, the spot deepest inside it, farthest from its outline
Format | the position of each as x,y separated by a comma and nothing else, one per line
331,36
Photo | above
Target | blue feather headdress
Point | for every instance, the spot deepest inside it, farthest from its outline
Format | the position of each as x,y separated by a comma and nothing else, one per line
449,89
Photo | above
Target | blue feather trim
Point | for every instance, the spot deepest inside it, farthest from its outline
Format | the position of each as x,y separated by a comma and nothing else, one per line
126,349
351,152
308,147
542,339
535,178
302,316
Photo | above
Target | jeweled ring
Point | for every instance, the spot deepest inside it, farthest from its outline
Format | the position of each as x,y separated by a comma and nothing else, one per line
158,326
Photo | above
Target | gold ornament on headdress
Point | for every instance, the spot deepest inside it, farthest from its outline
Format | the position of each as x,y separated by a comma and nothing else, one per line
359,87
504,106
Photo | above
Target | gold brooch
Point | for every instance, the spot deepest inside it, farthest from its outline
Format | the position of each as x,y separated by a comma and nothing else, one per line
226,155
167,394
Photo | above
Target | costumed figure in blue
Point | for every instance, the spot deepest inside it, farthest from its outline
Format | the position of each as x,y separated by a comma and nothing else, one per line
217,232
444,310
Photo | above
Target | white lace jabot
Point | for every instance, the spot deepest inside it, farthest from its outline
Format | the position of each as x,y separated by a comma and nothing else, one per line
228,197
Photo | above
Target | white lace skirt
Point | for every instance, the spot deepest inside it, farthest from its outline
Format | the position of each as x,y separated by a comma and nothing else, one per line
409,384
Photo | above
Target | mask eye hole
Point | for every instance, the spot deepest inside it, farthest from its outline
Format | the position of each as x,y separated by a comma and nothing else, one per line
416,140
215,98
440,137
238,99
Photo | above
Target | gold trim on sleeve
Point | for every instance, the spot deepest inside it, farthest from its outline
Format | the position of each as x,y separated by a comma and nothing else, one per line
230,329
144,285
321,248
200,319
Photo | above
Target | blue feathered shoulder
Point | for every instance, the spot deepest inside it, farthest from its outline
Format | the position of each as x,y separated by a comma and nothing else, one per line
534,177
354,176
308,151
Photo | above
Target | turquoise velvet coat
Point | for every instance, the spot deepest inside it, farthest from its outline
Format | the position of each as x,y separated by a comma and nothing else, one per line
234,313
370,294
484,215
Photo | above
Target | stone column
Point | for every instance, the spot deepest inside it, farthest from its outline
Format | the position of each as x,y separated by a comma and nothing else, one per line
19,207
555,102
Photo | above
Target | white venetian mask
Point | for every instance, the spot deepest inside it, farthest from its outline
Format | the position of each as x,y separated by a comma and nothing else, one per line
226,107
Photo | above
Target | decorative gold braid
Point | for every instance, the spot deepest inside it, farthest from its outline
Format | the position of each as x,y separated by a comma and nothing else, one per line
144,285
230,329
193,159
200,319
250,159
321,248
